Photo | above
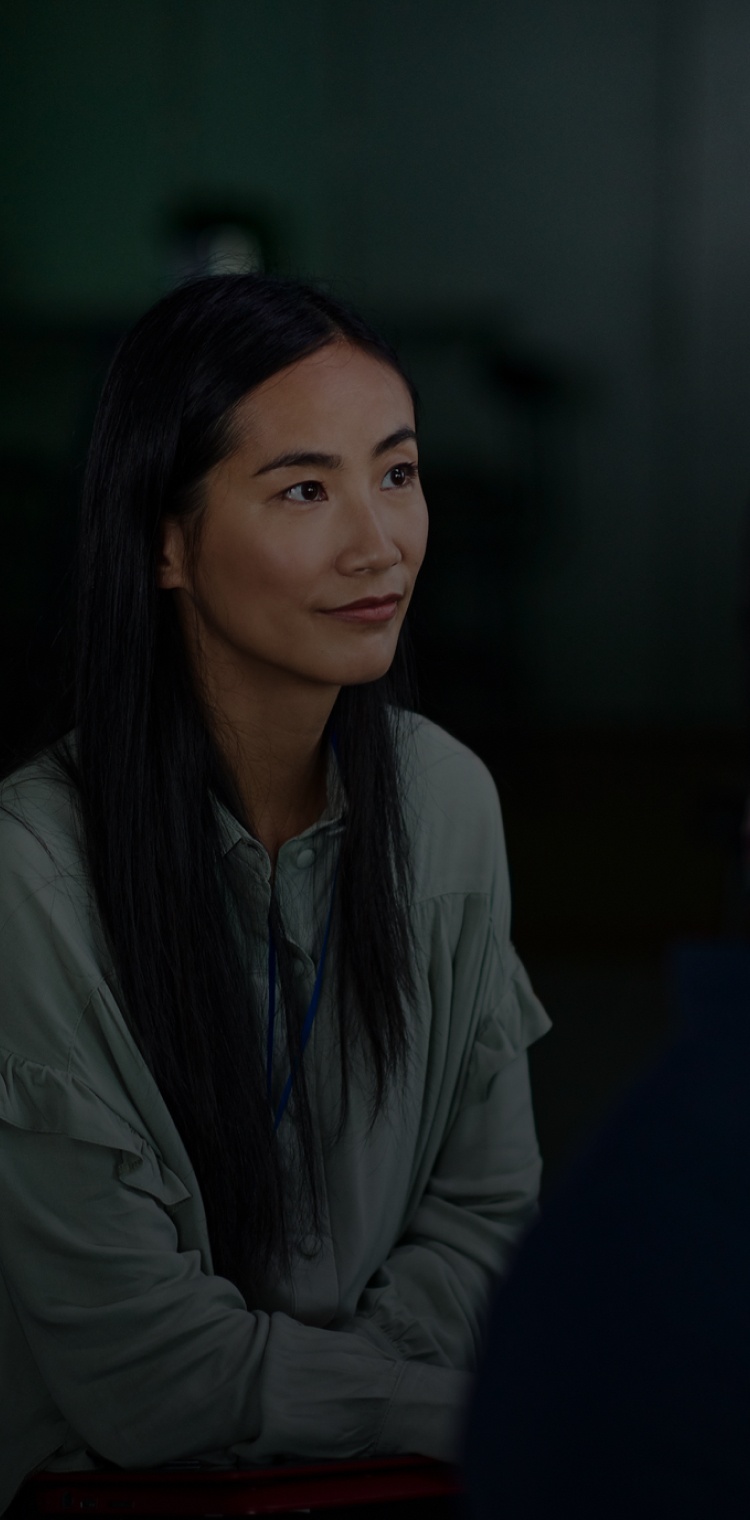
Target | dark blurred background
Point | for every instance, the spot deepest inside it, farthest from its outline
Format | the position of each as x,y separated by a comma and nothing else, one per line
546,206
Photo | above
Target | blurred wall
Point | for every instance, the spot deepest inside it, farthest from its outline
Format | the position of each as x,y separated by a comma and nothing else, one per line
572,176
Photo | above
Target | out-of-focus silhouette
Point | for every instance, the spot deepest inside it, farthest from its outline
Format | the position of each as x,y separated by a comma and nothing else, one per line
616,1376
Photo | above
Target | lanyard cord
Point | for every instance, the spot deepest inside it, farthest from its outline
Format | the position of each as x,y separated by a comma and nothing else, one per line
311,1012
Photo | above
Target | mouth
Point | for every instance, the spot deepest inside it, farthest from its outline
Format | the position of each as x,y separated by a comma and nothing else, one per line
368,601
372,610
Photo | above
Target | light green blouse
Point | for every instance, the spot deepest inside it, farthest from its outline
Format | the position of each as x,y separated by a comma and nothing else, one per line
117,1340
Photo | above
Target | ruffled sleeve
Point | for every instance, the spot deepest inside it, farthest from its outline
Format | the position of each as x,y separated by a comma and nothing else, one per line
429,1297
517,1021
35,1097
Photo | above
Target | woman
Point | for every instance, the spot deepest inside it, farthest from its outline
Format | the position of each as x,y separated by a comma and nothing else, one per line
267,1137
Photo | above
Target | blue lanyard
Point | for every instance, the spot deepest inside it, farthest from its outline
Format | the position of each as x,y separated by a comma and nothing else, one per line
312,1010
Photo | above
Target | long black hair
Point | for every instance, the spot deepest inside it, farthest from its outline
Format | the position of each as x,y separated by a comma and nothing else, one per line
147,763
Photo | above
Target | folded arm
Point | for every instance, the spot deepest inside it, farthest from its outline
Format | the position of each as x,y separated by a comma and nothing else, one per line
151,1359
429,1297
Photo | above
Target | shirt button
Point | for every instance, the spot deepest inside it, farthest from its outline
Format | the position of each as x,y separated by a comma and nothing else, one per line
305,857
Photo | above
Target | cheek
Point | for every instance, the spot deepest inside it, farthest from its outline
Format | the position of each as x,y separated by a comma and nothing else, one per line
240,563
267,585
419,529
288,567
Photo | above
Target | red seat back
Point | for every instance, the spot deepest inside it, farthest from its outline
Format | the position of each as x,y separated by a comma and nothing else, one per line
252,1491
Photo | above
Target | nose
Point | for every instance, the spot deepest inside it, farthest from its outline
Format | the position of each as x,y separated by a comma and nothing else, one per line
368,530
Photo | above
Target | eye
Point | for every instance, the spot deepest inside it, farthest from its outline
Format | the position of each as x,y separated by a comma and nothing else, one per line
310,491
407,472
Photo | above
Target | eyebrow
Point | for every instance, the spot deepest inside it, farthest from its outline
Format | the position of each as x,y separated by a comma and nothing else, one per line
333,461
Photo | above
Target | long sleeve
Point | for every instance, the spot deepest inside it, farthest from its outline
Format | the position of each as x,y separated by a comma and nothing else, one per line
430,1295
151,1359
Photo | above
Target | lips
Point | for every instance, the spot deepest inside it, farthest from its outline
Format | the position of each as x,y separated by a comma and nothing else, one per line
368,601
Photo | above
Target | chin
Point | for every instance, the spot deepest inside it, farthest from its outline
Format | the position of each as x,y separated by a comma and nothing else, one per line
369,670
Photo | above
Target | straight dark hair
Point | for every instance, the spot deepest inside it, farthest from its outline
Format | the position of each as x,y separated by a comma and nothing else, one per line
147,762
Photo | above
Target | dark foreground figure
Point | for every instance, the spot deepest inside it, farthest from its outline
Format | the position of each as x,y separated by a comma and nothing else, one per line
616,1377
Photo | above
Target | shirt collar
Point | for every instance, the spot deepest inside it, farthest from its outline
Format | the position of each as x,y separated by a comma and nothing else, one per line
232,831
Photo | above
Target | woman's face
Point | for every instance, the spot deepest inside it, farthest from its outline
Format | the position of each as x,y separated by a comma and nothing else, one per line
285,539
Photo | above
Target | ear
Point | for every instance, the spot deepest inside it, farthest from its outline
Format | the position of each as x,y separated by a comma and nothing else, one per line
170,559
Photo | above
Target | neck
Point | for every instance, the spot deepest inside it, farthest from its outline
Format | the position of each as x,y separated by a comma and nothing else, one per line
270,725
280,768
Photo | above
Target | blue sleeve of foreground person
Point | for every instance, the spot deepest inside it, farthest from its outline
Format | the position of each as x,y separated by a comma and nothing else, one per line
615,1379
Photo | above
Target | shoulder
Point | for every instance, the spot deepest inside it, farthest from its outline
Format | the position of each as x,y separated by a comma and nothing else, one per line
453,811
38,817
449,764
68,1061
49,960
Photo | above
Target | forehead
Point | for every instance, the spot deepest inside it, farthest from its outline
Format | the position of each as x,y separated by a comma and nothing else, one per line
333,391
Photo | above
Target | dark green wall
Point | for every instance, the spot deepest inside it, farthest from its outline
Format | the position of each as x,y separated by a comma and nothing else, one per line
568,179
